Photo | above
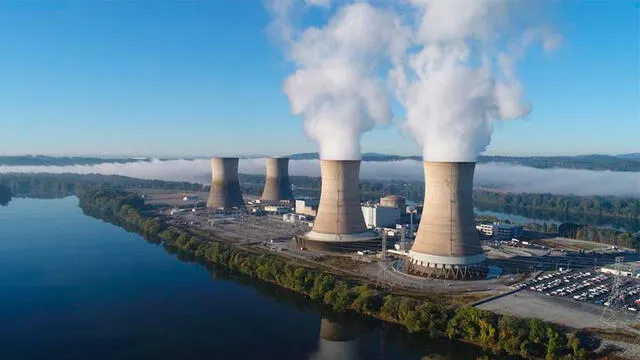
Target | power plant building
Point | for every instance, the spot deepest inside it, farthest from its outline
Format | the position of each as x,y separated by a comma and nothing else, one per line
393,201
447,244
225,187
380,216
277,185
339,223
307,207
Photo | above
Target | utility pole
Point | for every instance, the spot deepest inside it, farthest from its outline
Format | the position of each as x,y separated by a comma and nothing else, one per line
616,297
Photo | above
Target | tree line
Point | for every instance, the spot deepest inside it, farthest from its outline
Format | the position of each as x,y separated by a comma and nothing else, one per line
500,334
592,205
61,185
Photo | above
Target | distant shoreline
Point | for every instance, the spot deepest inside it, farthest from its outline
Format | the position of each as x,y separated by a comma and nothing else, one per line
624,163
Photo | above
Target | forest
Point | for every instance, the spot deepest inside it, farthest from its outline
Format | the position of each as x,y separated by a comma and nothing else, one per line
43,160
500,334
61,185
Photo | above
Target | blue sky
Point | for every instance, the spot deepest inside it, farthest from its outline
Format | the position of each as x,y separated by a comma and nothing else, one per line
203,78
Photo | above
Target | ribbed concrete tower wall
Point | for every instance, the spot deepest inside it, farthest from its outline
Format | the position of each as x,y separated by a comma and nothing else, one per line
277,186
225,187
339,218
447,243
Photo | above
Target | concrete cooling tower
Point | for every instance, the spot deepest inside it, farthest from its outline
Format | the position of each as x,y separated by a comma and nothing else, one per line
339,223
225,188
447,244
277,186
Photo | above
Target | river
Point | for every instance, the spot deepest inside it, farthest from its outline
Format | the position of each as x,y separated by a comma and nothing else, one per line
74,287
527,216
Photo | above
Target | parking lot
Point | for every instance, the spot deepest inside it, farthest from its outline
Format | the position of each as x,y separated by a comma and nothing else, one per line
587,286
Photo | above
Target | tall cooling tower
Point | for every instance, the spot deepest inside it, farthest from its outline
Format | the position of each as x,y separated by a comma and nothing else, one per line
339,223
225,188
277,186
447,244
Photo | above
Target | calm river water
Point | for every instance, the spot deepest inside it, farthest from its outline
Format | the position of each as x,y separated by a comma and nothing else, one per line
73,287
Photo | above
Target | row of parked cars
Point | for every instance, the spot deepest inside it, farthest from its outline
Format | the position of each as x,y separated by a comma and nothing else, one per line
622,299
536,283
585,286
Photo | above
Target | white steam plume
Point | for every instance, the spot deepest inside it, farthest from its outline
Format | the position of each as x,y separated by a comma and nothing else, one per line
337,85
495,175
459,76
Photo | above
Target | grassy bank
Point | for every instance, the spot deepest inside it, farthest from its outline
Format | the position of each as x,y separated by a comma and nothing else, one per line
529,338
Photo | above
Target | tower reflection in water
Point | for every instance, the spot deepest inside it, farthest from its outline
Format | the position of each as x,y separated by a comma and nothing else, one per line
338,341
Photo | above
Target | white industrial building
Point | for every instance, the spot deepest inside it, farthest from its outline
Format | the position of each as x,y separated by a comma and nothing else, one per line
307,207
624,269
486,229
500,231
380,216
276,209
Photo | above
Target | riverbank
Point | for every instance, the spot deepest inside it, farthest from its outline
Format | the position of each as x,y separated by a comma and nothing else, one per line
529,338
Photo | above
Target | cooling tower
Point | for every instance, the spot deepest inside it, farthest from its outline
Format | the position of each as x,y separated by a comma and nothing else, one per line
277,186
447,244
339,223
225,188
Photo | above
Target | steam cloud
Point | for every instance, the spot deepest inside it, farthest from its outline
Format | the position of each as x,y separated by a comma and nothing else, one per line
500,176
337,86
458,76
451,64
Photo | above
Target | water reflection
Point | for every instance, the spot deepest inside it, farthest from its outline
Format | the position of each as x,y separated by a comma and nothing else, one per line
338,341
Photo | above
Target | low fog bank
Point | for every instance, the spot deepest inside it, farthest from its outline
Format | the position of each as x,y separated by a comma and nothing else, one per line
494,175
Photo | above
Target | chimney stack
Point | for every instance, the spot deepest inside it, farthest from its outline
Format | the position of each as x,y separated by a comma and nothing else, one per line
225,187
447,244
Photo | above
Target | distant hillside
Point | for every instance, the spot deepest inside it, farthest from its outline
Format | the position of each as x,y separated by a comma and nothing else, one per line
588,162
624,162
629,156
40,160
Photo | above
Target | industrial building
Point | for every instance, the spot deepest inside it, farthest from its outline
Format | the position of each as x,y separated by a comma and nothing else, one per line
624,269
447,244
506,231
500,231
307,207
277,209
380,216
225,188
485,229
339,223
394,201
277,186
